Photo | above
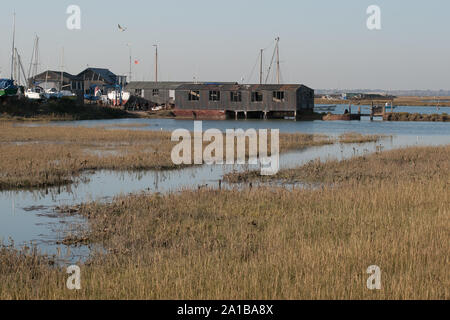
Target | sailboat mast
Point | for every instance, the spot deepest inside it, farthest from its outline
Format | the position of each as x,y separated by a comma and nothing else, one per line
20,68
62,69
156,63
32,71
36,58
32,57
278,60
261,68
46,76
13,46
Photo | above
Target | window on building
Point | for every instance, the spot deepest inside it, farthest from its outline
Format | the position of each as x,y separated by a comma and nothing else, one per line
138,92
236,96
194,95
278,96
257,97
214,95
155,92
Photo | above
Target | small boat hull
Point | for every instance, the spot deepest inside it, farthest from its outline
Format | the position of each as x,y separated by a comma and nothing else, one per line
114,98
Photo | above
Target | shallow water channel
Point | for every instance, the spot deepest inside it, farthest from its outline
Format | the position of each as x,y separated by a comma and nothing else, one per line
29,216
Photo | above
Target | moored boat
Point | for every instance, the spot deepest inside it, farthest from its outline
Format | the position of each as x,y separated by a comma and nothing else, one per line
67,95
36,93
8,88
55,94
115,98
325,108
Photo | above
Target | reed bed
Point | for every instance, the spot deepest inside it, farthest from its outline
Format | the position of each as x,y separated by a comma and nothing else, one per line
354,137
404,116
379,166
392,210
398,101
34,157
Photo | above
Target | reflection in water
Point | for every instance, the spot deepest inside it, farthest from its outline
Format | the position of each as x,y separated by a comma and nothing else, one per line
28,216
365,109
285,126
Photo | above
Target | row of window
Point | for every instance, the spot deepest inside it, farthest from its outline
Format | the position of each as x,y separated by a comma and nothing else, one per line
236,96
214,95
138,92
77,85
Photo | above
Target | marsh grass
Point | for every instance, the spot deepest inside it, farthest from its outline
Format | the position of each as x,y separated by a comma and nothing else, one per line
33,157
398,101
48,156
404,116
354,137
366,169
391,210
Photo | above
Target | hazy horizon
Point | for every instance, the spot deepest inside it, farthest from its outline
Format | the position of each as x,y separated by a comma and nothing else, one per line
324,44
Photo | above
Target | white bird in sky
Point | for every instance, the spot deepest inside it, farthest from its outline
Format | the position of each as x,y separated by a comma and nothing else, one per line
121,28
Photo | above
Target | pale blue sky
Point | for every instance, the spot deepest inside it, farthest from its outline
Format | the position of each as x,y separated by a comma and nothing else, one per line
324,43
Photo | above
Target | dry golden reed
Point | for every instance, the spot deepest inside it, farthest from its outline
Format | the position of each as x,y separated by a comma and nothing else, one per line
389,209
41,156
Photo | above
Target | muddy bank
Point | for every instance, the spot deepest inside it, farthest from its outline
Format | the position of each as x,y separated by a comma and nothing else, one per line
56,110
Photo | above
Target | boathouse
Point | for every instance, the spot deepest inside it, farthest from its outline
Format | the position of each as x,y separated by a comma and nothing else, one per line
243,101
103,78
162,93
58,80
159,93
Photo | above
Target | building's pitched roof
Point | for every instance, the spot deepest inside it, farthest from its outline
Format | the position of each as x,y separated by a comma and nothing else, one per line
243,87
58,73
168,85
106,74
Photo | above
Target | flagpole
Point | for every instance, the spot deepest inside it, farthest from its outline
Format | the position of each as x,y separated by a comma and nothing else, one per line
156,63
129,46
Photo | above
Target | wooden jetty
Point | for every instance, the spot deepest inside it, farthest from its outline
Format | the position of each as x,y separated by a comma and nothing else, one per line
375,111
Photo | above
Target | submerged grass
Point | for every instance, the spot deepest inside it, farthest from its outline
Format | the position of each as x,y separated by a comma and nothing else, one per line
40,156
354,137
48,156
366,169
404,116
391,210
398,101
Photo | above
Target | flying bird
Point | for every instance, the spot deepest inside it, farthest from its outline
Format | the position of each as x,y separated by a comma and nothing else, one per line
121,28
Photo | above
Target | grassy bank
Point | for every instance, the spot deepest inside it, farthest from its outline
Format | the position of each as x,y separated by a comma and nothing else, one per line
266,243
399,101
366,169
56,110
163,114
404,116
47,156
33,157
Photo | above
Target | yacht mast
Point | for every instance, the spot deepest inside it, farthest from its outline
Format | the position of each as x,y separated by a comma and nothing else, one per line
62,70
13,46
278,59
20,68
34,63
261,68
